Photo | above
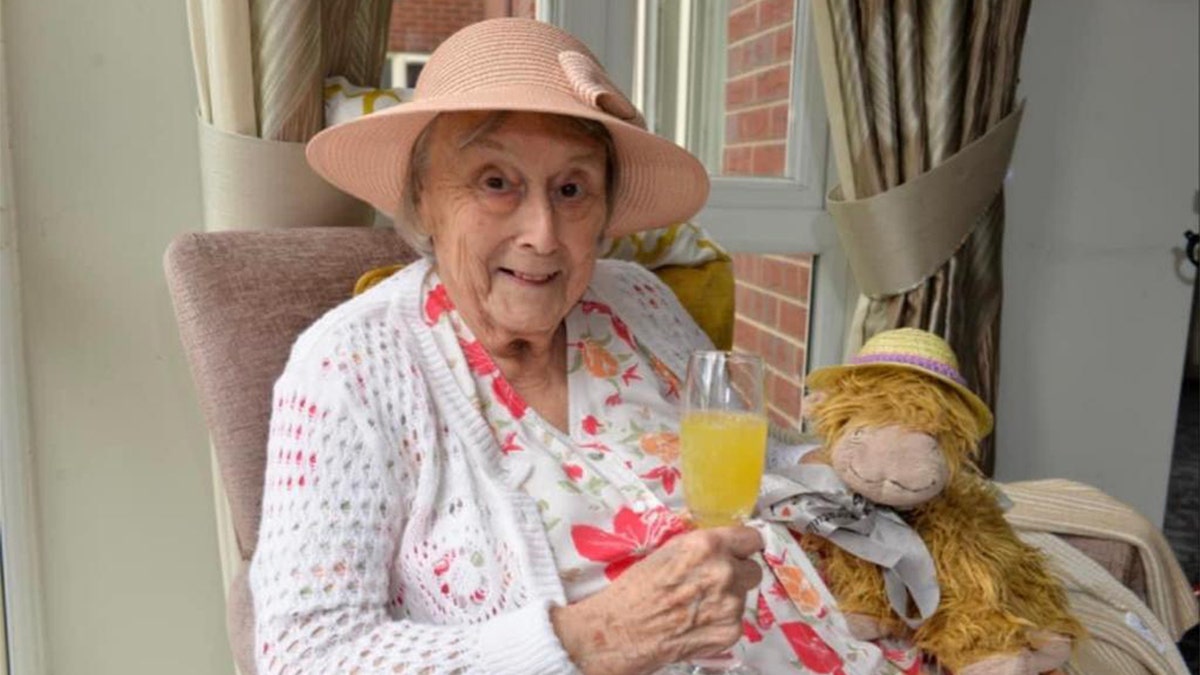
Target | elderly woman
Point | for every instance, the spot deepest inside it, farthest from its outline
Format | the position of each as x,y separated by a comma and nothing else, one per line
473,466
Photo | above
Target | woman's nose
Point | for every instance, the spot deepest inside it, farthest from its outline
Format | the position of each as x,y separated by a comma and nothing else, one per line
537,222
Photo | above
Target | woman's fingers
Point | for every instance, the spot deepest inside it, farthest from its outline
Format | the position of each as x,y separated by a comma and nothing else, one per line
747,576
740,541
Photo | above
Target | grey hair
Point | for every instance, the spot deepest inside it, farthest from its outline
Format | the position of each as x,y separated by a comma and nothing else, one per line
408,219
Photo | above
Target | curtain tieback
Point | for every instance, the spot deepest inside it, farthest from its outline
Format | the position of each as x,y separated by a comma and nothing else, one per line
896,239
254,184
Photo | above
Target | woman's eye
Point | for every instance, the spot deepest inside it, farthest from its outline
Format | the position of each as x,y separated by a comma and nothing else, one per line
495,183
570,190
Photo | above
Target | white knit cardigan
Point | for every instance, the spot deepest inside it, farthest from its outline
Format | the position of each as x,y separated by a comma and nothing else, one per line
392,540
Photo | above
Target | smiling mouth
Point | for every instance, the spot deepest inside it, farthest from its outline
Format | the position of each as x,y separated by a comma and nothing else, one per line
530,279
890,482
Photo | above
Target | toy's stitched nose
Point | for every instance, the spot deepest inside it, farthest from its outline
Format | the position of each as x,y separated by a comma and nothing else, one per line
909,457
892,465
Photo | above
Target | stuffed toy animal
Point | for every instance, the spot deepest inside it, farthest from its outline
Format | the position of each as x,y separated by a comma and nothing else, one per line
900,427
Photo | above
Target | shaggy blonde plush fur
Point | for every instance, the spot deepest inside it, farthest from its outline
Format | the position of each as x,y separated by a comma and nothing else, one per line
997,597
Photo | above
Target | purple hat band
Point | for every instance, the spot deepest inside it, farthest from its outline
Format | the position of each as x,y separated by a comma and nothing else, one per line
945,370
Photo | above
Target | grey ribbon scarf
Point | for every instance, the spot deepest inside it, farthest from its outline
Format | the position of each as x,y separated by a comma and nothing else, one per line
811,499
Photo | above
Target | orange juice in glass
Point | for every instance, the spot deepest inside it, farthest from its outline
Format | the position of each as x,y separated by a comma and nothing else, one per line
723,436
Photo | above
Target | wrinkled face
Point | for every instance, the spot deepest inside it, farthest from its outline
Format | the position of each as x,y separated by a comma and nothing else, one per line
890,465
516,214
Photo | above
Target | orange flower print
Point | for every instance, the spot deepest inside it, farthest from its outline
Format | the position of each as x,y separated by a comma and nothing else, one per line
666,376
598,360
800,590
663,445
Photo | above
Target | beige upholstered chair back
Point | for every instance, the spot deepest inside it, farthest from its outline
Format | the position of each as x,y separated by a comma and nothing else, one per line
241,298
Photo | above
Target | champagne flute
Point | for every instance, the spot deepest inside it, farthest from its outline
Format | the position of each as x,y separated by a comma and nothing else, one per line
723,438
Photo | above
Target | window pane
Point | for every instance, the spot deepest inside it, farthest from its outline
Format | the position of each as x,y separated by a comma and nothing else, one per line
773,301
719,81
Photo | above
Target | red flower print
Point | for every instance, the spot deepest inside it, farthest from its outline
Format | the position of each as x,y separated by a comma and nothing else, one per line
437,303
613,400
509,397
773,560
667,474
766,618
509,445
752,634
811,649
591,307
478,359
779,591
907,660
633,537
573,471
591,425
443,564
630,375
596,445
622,331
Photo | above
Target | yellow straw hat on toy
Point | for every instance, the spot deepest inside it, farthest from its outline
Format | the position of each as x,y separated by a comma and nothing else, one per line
911,349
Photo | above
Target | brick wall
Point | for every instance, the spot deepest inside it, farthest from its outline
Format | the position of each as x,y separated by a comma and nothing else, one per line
421,25
525,9
757,88
773,291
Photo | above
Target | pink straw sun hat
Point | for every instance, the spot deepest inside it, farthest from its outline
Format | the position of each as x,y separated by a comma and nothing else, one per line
515,65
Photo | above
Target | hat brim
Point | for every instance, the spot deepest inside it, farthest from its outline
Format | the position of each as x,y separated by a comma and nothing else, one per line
658,182
819,379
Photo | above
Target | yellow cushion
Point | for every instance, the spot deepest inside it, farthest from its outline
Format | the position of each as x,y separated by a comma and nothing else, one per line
375,276
706,292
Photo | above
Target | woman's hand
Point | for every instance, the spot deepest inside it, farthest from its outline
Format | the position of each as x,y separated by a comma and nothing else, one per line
683,601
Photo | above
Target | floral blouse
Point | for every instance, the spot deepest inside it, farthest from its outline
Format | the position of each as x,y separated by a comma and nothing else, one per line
610,492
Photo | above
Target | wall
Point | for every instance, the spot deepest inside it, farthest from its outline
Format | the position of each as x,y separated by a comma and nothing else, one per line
1095,318
759,71
421,25
105,167
772,292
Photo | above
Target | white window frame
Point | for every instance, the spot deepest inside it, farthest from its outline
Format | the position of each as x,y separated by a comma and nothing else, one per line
748,214
22,606
399,63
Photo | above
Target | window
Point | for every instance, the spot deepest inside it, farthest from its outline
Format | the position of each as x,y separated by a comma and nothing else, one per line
402,69
737,83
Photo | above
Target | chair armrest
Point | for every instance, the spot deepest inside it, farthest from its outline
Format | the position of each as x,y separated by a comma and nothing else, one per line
1118,558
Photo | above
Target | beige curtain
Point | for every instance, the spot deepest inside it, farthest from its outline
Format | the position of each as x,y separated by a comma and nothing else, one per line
911,83
260,73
